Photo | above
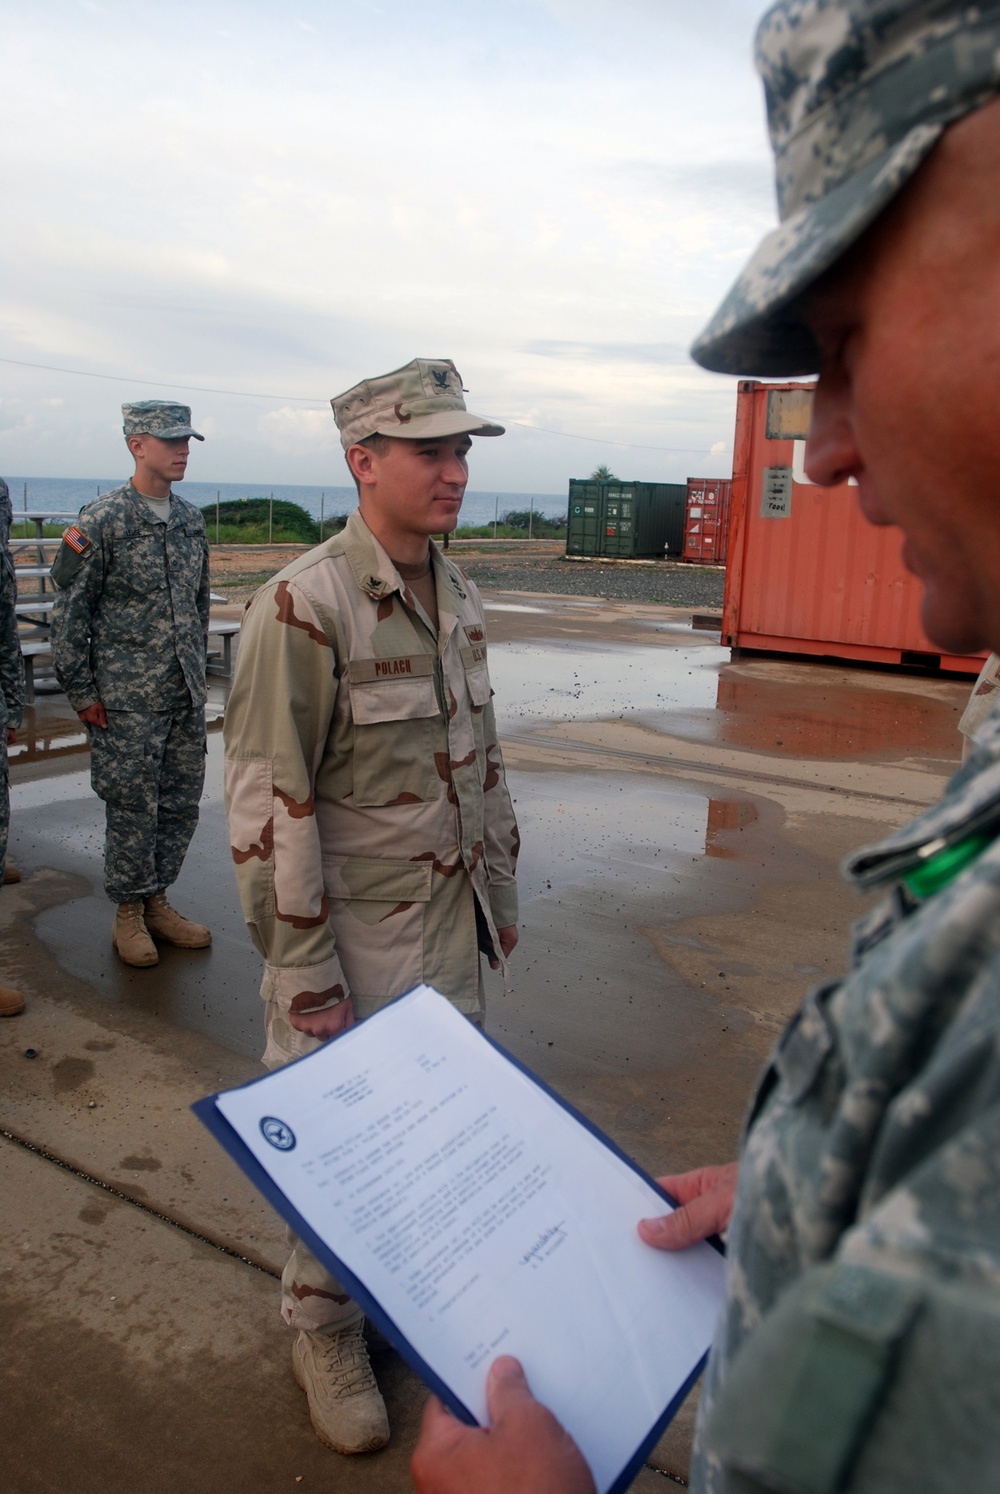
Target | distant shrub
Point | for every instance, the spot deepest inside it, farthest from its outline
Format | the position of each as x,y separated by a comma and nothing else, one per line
485,531
541,525
26,529
245,521
541,528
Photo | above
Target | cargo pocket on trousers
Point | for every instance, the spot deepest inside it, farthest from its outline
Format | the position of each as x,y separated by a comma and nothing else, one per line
120,761
377,912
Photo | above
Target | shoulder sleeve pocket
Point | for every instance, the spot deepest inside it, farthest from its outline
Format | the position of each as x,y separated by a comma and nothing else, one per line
805,1387
65,566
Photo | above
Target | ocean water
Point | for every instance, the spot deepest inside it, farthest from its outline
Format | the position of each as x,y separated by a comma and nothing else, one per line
66,495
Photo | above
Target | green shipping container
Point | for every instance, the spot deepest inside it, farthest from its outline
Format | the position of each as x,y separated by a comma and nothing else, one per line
625,520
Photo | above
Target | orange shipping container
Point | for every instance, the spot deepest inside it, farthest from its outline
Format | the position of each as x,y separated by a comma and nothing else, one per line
806,573
706,520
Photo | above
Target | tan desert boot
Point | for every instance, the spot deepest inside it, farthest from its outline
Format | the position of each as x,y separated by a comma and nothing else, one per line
11,1002
164,922
345,1406
131,937
11,872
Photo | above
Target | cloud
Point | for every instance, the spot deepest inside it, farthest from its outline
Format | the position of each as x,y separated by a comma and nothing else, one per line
290,430
290,207
730,187
612,352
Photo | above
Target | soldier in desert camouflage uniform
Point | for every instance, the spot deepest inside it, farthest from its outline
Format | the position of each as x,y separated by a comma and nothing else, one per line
129,632
11,703
859,1347
371,827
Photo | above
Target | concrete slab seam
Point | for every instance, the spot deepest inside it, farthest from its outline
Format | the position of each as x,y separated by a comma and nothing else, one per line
690,767
86,1177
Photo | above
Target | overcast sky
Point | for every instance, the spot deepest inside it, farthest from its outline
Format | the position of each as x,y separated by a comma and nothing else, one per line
228,198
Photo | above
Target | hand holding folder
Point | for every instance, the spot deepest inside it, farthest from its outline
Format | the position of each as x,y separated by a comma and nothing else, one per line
474,1215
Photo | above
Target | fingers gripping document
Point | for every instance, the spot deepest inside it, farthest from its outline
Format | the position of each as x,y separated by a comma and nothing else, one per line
473,1214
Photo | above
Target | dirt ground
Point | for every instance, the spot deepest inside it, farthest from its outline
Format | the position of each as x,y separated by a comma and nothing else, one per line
683,816
509,565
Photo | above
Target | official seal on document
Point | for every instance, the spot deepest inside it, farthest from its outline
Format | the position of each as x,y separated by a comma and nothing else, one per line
277,1133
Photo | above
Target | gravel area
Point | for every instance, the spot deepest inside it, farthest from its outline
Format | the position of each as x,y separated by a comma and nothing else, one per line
668,582
518,566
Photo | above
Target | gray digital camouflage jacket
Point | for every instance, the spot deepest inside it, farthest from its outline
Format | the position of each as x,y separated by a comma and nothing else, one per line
859,1348
130,622
11,667
364,783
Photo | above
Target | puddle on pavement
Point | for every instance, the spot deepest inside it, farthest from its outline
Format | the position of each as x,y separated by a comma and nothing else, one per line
812,713
48,734
561,682
58,822
676,626
596,849
619,829
794,710
610,865
513,607
51,731
606,857
726,816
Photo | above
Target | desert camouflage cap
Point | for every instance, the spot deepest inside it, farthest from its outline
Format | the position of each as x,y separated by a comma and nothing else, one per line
158,417
858,92
422,399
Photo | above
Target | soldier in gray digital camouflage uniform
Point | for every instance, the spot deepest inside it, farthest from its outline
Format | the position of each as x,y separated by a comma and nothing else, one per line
859,1346
129,632
11,704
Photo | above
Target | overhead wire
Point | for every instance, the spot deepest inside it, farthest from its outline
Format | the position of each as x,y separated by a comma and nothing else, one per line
84,373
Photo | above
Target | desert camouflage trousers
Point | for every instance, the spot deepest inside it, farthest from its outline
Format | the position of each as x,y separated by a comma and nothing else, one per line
310,1297
149,768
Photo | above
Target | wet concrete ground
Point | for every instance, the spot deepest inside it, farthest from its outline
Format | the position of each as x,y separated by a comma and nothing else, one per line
682,818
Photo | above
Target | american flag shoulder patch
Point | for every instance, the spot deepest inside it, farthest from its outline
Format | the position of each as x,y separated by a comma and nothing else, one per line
76,539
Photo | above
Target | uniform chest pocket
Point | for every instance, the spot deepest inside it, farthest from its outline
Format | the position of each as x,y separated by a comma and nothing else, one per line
477,679
141,561
397,723
802,1054
806,1046
403,697
185,551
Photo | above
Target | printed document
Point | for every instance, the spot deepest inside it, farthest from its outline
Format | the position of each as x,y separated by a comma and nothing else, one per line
474,1215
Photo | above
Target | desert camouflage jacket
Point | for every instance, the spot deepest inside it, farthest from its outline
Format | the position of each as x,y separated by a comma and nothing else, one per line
130,622
364,782
860,1346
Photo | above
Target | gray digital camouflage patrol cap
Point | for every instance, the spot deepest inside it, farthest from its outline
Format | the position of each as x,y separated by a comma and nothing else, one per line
420,400
158,417
858,93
